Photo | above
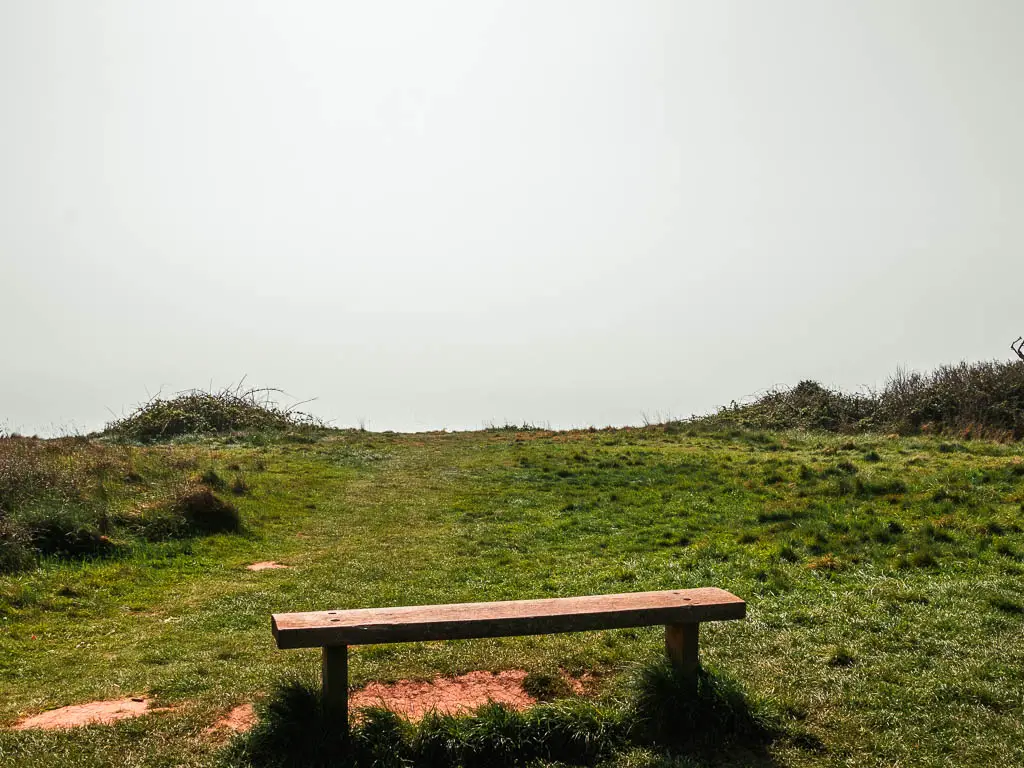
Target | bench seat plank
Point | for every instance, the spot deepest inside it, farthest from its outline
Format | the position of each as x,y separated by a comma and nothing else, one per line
364,626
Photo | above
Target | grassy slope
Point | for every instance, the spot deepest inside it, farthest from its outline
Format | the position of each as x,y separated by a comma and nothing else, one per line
883,577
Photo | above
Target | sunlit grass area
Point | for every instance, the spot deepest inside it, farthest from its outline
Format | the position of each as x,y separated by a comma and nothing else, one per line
883,578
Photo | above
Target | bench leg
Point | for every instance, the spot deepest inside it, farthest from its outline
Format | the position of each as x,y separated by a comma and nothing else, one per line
681,643
334,674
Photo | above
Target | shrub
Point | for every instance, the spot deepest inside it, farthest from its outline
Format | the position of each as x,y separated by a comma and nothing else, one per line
808,405
966,400
546,686
197,412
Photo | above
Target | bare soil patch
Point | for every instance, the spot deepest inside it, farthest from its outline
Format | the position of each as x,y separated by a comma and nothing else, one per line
77,715
450,695
240,719
266,565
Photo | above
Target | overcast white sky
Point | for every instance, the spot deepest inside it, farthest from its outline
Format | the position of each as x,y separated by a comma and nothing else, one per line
440,214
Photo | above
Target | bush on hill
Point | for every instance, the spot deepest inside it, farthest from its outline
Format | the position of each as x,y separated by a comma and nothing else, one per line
197,412
808,405
979,399
966,399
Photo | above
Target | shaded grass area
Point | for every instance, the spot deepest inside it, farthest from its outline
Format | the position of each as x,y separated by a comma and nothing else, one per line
662,712
882,575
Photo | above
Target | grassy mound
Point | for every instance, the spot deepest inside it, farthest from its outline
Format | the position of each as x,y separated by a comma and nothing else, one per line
661,711
965,400
197,412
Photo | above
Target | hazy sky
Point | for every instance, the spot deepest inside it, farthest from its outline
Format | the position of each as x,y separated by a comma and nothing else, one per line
438,214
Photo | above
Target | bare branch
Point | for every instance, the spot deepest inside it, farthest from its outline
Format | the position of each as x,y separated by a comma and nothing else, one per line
1018,347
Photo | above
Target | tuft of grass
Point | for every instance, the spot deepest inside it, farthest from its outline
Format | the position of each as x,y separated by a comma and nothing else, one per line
923,557
383,739
205,513
546,686
212,479
576,731
670,711
194,511
788,553
841,657
239,486
570,731
295,728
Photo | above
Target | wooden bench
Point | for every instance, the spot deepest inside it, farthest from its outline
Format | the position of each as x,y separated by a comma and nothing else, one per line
680,610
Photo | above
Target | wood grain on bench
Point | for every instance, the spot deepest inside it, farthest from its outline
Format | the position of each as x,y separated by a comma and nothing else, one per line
364,626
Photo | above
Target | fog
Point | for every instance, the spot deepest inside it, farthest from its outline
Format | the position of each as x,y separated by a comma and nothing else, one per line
445,214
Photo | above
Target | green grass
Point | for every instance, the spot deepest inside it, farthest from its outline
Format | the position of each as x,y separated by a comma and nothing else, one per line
883,578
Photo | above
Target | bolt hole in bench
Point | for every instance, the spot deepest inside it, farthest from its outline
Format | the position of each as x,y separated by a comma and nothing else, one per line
681,611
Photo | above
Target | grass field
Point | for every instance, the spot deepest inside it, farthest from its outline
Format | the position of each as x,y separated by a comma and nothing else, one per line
884,578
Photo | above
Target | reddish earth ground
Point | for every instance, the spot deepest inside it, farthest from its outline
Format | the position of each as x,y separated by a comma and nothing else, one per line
85,714
239,719
266,565
413,699
453,694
